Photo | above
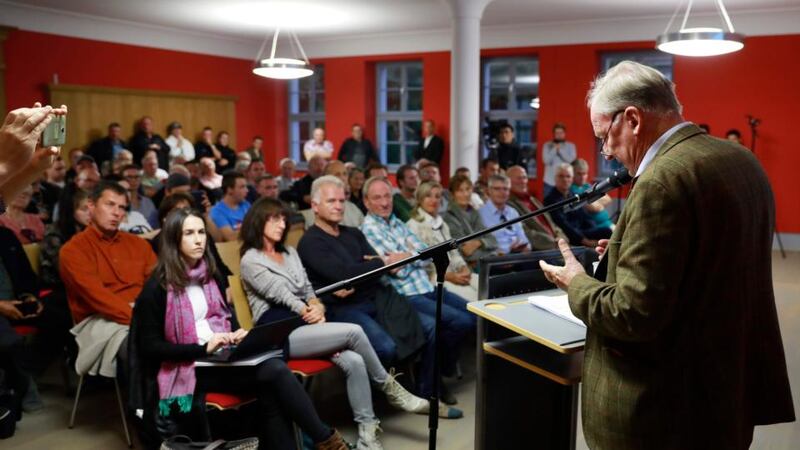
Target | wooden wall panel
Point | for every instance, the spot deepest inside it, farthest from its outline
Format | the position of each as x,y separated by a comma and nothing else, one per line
92,108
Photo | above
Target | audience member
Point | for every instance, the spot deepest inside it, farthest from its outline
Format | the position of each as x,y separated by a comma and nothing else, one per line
152,175
431,146
181,316
57,173
597,210
145,139
73,219
318,145
27,227
430,228
353,217
181,149
556,151
123,158
193,167
227,154
52,186
138,202
331,252
209,177
182,199
206,147
286,179
577,224
489,167
404,200
254,151
430,172
463,219
376,169
228,213
510,239
734,135
107,148
18,291
355,181
255,171
508,152
357,148
73,155
542,231
267,186
277,287
104,271
392,238
300,192
86,180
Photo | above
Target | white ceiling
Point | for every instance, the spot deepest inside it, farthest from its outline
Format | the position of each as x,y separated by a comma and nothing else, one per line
330,27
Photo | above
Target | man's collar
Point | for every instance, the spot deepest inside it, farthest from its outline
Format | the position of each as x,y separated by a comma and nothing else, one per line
658,144
102,236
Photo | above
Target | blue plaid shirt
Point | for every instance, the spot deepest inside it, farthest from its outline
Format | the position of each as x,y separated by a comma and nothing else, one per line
394,236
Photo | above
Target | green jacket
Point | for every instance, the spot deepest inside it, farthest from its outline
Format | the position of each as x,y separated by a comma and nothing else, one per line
683,348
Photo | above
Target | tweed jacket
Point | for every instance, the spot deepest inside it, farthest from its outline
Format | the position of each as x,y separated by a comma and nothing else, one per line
683,348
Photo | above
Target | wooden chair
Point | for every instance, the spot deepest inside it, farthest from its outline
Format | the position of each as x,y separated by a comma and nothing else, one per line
33,252
229,252
295,233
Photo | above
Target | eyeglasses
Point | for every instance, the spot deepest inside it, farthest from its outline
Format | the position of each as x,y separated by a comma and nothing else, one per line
605,138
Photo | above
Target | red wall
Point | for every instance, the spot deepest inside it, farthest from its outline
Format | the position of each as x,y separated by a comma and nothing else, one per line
33,58
760,80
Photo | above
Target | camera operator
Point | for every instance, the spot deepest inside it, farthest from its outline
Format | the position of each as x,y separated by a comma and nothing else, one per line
22,161
508,153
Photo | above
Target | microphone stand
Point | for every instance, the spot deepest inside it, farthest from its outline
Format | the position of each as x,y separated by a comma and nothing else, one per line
438,253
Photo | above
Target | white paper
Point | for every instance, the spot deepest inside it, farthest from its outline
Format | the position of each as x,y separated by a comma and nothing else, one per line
555,303
251,361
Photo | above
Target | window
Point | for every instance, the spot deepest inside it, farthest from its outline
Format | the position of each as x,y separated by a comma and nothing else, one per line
399,105
306,111
510,93
653,58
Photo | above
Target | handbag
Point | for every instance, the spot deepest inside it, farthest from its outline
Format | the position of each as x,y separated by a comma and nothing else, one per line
181,442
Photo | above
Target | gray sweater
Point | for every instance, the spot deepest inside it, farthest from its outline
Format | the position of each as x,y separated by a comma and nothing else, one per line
268,283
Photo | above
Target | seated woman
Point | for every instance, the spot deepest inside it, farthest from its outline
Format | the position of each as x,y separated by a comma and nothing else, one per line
181,316
462,220
430,228
277,287
71,221
28,227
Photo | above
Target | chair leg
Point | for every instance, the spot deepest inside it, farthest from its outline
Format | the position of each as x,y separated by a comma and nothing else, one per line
75,403
122,414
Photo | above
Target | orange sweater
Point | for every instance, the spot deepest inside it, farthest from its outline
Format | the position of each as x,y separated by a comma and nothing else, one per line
104,275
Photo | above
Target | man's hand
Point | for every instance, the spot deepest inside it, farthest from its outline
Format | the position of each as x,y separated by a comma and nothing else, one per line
562,276
342,293
461,278
8,308
392,258
19,136
602,244
470,247
518,246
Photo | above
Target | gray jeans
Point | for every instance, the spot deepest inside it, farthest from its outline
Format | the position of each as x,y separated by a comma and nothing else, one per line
351,351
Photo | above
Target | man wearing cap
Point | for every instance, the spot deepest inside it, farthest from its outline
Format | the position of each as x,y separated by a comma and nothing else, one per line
180,148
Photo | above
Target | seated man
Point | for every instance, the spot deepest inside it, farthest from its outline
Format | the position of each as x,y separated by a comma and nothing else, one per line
332,252
404,201
510,239
578,225
103,270
20,305
392,238
597,210
300,192
542,232
228,213
353,217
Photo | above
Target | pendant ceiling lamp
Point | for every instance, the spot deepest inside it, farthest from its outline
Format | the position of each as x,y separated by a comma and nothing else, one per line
700,41
283,68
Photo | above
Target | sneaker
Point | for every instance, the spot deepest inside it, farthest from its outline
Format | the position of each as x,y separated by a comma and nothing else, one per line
334,442
368,436
32,401
400,398
449,412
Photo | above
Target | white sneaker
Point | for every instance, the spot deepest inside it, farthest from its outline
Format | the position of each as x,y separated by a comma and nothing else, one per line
368,436
400,398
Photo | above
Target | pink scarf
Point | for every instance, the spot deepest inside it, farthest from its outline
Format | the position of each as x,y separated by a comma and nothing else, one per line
176,379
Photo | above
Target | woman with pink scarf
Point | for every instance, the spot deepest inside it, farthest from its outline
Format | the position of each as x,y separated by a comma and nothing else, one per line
181,316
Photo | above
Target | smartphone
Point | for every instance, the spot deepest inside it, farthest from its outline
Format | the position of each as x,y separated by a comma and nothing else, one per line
28,308
198,200
55,135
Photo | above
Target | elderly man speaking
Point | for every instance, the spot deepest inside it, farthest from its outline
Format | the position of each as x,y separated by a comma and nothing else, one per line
683,349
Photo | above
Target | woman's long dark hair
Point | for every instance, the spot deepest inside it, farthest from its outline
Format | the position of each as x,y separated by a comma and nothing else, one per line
171,268
68,204
251,233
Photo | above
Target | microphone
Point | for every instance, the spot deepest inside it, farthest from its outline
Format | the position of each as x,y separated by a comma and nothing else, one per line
619,178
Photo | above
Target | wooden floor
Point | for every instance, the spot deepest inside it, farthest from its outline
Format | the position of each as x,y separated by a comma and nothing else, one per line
98,425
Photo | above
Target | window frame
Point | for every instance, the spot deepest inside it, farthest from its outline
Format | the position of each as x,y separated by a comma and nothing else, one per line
402,116
314,118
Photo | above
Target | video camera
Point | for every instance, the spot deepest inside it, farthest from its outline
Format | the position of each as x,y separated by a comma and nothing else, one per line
490,130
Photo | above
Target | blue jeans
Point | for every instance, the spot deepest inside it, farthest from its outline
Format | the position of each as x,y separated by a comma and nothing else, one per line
364,314
456,323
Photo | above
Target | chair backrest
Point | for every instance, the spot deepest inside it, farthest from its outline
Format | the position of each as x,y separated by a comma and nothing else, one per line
240,305
229,252
293,238
33,251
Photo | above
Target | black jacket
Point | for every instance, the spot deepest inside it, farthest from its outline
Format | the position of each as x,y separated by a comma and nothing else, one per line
360,152
139,144
102,150
299,189
17,265
508,155
433,152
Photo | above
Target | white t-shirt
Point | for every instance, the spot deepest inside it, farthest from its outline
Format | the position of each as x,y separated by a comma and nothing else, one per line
200,310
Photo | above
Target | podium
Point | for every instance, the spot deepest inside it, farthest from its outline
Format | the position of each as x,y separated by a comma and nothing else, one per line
529,360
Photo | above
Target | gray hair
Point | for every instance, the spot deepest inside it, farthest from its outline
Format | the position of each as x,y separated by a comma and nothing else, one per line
580,164
565,167
499,178
632,84
371,181
324,180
